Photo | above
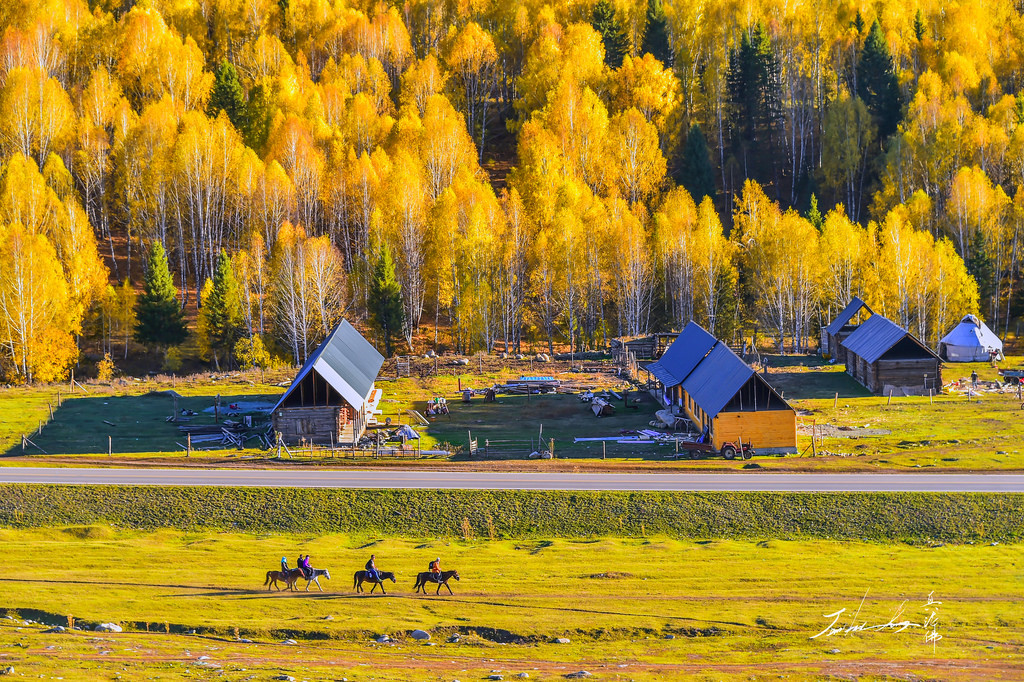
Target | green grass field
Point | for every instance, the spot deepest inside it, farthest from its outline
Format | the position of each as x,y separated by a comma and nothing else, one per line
948,432
639,609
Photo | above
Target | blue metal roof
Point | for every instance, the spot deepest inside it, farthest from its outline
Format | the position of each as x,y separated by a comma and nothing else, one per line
685,353
717,379
844,317
346,361
876,336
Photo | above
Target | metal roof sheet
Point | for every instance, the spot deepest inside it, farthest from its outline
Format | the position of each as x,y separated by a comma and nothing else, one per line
717,379
876,336
346,361
683,355
848,312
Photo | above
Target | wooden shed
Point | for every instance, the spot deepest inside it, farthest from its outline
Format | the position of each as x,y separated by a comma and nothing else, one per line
731,402
704,379
333,398
839,330
882,355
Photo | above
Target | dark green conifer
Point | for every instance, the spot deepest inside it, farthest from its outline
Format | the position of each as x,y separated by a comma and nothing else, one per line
161,323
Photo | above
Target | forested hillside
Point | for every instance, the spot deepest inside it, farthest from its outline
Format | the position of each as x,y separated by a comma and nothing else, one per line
279,164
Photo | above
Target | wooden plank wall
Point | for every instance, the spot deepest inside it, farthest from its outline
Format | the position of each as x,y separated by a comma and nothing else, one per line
904,373
765,429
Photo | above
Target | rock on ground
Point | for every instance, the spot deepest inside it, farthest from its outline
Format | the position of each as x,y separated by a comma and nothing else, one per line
420,634
109,627
562,640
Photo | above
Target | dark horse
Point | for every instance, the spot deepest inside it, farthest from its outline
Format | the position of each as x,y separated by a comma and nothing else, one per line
363,577
430,577
287,577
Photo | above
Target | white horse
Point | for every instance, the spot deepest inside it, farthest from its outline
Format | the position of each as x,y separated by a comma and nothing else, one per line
315,577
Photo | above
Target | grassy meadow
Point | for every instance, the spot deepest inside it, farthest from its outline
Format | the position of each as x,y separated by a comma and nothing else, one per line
855,431
641,608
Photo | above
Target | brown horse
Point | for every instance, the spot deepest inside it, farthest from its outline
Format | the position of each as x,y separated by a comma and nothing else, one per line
430,577
361,577
287,577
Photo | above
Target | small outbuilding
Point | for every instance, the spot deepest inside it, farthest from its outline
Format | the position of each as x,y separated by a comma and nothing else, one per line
703,379
839,330
884,356
333,398
970,341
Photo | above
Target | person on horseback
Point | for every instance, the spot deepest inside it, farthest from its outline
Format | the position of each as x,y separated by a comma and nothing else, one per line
284,565
371,568
435,568
307,570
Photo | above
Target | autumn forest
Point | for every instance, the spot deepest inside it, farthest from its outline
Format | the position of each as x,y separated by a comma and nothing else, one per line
483,175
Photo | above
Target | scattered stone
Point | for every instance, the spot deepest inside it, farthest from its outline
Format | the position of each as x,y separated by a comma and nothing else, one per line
495,677
328,617
523,675
9,670
520,356
289,641
383,639
578,675
58,628
670,636
542,357
285,678
108,627
245,641
454,639
460,362
562,640
420,634
545,455
833,651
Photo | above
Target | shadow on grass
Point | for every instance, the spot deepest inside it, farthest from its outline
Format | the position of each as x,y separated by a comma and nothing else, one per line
133,423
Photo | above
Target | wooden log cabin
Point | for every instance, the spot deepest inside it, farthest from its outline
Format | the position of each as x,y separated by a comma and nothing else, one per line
704,379
884,356
839,330
333,398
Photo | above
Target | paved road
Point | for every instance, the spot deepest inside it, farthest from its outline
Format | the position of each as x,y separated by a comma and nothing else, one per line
412,479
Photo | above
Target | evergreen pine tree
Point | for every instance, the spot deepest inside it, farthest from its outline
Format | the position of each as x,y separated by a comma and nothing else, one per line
386,300
980,266
258,114
656,34
161,323
876,82
221,314
616,42
814,216
919,26
228,95
695,171
754,89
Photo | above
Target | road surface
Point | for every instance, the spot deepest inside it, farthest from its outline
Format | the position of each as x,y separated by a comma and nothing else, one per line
458,480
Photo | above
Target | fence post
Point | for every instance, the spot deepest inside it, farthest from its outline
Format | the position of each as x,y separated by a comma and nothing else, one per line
110,446
552,450
188,451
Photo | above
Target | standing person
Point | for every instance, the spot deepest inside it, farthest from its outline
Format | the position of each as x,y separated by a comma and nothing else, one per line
371,568
974,379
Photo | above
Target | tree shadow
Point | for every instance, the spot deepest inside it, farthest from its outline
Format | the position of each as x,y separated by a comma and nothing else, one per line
89,425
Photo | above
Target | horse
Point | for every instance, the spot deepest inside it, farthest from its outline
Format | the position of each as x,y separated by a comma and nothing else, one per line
361,577
287,577
314,577
430,577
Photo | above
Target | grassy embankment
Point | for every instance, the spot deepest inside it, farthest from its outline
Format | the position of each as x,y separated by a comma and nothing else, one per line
948,432
640,609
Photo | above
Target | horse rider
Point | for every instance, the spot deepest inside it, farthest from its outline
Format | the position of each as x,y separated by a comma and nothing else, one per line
371,568
435,568
304,566
284,565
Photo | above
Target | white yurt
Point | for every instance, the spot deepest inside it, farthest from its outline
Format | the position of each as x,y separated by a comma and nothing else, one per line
970,341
